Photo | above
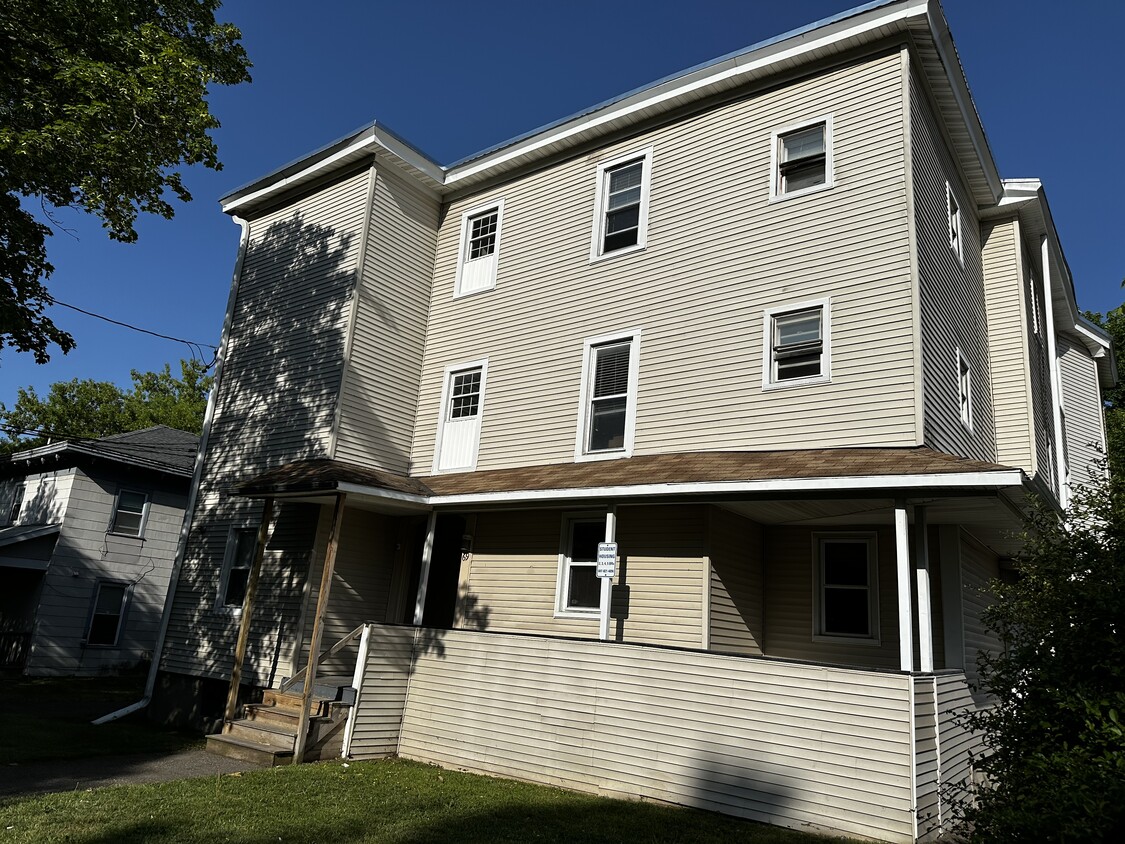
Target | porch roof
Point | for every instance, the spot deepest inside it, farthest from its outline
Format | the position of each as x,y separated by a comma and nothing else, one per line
715,472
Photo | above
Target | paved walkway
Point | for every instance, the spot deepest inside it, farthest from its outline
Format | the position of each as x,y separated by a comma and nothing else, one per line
102,771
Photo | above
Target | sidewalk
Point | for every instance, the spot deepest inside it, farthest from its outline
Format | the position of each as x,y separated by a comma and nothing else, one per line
102,771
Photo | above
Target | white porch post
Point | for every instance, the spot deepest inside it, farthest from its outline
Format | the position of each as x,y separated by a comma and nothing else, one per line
607,582
902,560
424,574
922,574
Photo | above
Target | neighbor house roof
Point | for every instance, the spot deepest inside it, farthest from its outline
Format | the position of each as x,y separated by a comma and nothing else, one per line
712,472
159,448
921,22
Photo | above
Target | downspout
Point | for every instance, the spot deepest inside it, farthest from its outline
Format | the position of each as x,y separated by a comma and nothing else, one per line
1059,468
193,494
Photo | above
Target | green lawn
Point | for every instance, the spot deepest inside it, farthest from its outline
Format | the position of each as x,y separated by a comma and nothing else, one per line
49,718
393,802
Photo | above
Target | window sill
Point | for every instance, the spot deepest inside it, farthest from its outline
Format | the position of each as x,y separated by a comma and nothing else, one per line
591,456
783,197
829,639
592,615
617,253
140,536
796,382
457,294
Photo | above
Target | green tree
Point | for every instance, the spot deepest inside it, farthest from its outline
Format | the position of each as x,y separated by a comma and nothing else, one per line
100,102
1055,767
89,409
1114,396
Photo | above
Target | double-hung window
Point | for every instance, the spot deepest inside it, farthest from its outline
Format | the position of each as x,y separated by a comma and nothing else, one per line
954,212
847,596
609,394
621,213
964,391
11,502
579,589
129,513
796,344
241,544
107,613
479,248
802,158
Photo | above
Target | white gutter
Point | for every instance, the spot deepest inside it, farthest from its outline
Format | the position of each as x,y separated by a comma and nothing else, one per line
193,495
1055,379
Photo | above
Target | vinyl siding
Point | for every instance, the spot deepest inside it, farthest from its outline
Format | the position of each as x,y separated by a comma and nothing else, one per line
766,740
718,254
958,745
86,554
361,580
979,568
789,602
951,294
382,694
737,583
1082,404
1009,336
658,591
44,498
380,392
275,403
927,756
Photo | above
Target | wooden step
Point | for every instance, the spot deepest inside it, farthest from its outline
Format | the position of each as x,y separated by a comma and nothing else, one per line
263,713
263,733
248,751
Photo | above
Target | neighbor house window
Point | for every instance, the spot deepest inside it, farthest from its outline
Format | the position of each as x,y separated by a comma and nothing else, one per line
846,586
801,158
241,544
129,513
609,390
579,589
479,249
108,611
796,344
621,212
11,502
964,390
954,211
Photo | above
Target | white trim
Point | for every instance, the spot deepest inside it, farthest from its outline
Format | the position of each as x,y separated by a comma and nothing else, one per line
902,586
597,252
140,534
955,224
871,540
463,245
632,337
562,581
964,415
229,550
775,194
447,379
768,316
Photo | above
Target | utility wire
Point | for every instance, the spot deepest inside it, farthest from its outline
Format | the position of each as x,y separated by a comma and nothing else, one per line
195,347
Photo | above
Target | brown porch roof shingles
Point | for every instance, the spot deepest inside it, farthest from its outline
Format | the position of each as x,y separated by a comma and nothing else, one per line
655,469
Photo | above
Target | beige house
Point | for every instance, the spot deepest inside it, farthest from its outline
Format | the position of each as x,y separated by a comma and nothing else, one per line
770,343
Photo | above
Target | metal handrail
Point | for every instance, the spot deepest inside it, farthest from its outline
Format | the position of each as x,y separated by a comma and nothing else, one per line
289,683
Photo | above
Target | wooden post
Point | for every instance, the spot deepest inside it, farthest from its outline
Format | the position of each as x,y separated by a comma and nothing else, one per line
318,630
247,612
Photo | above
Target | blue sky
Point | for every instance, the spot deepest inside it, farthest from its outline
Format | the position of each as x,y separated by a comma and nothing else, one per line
455,78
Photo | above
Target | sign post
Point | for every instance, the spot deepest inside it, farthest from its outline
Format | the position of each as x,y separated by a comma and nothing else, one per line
607,568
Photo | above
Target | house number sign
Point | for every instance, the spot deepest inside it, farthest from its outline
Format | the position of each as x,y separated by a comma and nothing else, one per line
607,559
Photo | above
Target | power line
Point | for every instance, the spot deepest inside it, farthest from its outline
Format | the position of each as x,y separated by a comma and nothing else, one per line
195,347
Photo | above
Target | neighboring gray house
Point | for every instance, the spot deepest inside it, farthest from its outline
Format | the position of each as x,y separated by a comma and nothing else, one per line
88,534
661,452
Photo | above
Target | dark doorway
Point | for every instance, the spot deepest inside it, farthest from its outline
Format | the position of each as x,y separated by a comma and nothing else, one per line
445,572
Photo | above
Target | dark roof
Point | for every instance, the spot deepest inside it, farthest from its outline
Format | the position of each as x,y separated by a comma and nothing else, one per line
21,533
159,447
314,476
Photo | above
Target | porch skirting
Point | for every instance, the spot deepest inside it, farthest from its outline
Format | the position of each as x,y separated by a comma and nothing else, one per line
787,743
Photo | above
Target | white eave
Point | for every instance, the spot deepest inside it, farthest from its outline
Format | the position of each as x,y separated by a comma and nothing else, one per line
920,21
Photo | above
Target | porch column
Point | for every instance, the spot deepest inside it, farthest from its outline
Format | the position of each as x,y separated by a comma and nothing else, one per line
318,629
607,582
424,574
902,560
922,575
247,612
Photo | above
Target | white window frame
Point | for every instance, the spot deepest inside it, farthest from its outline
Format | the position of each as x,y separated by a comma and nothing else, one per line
871,539
443,409
776,194
465,242
11,503
964,372
581,453
769,381
127,592
956,229
597,244
562,583
140,534
228,564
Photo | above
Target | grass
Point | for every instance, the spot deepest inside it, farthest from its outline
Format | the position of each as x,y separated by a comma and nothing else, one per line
391,802
49,718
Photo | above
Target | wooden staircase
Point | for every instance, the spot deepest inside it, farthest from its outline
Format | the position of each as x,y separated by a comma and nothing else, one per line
266,733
